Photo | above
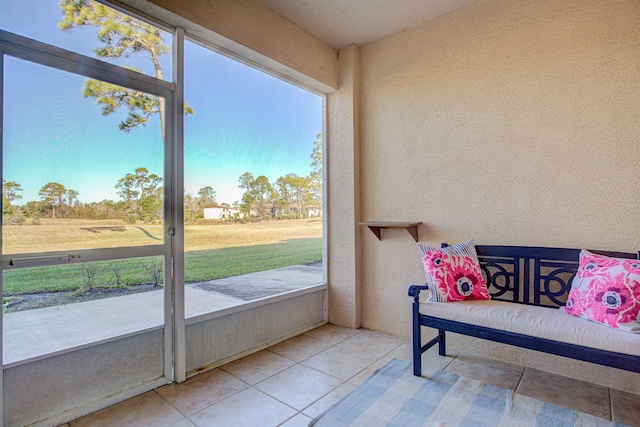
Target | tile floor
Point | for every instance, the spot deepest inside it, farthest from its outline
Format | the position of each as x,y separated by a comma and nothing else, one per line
290,383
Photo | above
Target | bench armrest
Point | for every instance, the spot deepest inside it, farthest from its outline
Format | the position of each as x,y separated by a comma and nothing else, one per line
414,291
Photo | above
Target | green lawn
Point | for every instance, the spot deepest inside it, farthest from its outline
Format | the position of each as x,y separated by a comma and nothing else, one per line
228,262
232,250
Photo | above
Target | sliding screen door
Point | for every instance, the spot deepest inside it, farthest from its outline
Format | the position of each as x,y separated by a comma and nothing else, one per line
85,247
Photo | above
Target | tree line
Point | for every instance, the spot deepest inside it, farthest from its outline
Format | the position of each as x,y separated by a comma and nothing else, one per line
291,196
141,198
140,192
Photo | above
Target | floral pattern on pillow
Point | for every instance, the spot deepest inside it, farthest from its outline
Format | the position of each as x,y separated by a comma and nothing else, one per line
632,266
606,290
574,302
453,273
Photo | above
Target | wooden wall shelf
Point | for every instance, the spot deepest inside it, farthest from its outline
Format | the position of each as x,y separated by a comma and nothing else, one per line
376,226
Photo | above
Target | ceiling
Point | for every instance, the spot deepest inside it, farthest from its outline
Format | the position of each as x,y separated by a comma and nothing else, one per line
340,23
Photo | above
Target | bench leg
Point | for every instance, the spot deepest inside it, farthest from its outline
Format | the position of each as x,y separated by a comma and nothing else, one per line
417,344
442,350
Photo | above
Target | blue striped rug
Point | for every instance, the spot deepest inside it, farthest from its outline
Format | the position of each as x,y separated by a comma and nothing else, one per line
393,396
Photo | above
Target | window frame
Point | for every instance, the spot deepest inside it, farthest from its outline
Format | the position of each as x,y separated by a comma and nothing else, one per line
173,248
58,58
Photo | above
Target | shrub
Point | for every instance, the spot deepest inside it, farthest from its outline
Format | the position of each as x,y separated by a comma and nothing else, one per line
154,268
89,280
117,271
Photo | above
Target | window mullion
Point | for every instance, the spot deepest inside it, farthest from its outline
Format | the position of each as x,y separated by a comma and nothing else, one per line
175,165
1,234
81,255
62,59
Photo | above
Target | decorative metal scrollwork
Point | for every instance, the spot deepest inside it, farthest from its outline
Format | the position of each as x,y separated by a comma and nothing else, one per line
554,285
495,274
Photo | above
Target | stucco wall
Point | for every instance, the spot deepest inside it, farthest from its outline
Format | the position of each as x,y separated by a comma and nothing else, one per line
510,122
342,153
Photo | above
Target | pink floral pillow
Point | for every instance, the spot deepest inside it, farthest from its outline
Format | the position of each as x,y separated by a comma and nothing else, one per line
453,273
606,290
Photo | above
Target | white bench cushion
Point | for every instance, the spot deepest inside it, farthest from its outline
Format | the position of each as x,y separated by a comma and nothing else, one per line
541,322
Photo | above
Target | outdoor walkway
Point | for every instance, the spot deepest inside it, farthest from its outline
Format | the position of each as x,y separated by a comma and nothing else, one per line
50,330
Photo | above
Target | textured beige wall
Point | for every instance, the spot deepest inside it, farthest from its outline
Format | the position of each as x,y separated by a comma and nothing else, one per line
511,122
250,30
343,195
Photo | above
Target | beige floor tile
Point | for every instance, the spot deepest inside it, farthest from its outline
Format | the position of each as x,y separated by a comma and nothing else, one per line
567,392
327,401
340,362
299,348
332,334
403,352
148,409
299,420
201,391
249,408
372,343
298,386
430,358
626,408
494,372
366,372
258,366
183,423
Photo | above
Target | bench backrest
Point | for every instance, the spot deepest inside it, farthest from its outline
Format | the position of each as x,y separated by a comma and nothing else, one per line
533,275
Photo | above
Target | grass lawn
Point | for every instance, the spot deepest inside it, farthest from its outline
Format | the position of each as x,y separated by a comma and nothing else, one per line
212,251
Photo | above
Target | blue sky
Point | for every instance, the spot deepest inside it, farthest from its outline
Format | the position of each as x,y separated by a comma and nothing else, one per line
244,120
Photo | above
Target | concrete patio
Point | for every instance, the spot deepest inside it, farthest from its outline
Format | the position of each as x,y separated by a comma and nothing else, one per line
35,333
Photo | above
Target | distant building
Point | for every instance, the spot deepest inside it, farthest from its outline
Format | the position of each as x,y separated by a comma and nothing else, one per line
222,212
312,211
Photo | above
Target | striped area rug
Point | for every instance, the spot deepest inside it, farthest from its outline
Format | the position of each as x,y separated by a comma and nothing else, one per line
393,396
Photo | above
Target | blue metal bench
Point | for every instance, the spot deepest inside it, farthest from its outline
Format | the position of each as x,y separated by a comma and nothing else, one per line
523,275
